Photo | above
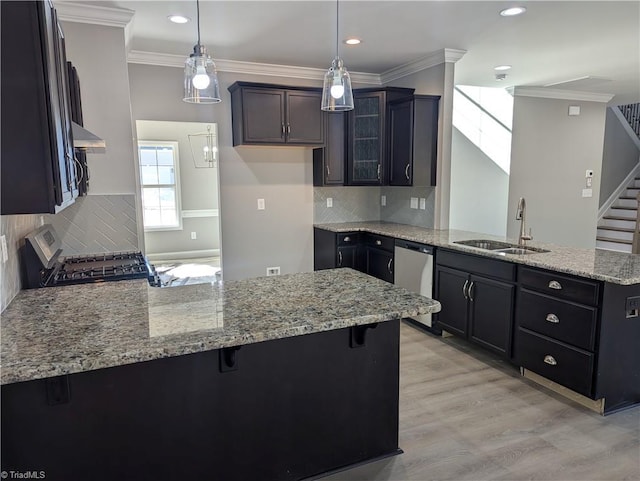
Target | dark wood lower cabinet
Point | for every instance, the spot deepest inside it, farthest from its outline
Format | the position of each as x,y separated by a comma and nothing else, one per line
380,264
289,409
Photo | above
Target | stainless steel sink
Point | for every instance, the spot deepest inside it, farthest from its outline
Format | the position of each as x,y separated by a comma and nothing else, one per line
503,248
490,245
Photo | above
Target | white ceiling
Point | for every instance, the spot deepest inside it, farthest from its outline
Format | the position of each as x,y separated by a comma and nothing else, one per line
552,42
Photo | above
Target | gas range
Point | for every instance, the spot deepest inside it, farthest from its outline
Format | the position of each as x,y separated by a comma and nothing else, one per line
45,267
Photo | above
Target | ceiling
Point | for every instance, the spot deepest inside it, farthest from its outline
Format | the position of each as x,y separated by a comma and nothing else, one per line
552,42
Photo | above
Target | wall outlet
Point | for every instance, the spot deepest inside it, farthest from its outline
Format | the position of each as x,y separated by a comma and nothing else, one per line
273,271
194,236
329,201
414,202
383,200
632,305
261,205
41,221
423,203
5,251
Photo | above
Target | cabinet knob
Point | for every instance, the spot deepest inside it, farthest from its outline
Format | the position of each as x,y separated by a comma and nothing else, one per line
555,285
378,242
552,318
347,239
550,360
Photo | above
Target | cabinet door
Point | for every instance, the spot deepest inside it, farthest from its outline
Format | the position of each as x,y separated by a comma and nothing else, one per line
380,264
348,257
366,139
401,143
328,161
491,313
304,118
451,287
263,116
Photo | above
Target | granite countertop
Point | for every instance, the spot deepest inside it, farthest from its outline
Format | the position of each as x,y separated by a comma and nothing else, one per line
600,264
63,330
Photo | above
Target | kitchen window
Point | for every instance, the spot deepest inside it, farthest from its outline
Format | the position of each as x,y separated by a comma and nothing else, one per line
160,184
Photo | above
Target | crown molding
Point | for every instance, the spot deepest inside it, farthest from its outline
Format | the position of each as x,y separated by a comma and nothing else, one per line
560,94
446,55
93,14
250,68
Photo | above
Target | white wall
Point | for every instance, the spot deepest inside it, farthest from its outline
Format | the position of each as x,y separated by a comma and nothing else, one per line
98,53
550,154
479,189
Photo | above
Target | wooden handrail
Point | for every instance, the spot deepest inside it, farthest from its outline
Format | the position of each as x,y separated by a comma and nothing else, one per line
635,247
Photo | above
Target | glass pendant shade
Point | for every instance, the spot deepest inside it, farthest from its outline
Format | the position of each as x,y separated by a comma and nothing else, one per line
336,90
200,78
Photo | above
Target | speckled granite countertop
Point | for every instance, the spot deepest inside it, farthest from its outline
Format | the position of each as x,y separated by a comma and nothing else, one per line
600,264
62,330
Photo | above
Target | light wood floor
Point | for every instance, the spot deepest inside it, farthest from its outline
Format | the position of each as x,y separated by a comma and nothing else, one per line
464,415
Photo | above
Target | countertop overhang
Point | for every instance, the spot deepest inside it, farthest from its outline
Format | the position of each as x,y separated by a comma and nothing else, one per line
600,264
63,330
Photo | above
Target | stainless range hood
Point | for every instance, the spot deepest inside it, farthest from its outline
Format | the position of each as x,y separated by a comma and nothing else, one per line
87,141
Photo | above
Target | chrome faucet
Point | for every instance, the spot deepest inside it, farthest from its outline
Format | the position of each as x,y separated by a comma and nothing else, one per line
520,214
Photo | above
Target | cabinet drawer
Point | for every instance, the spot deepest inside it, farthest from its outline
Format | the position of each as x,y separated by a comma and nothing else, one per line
568,366
348,238
477,265
572,323
558,285
380,242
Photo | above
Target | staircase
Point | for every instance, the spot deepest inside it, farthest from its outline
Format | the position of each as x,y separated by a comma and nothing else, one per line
615,229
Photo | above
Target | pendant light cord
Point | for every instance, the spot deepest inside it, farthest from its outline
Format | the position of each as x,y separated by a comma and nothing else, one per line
198,18
337,29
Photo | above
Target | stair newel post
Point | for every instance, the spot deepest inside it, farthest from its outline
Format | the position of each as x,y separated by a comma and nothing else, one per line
635,248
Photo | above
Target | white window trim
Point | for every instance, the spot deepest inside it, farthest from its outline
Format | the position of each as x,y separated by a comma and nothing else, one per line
176,150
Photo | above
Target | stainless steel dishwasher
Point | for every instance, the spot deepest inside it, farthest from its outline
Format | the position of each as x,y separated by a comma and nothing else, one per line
414,272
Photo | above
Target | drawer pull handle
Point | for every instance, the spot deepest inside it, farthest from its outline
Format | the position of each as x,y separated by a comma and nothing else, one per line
378,242
552,318
470,290
550,360
339,258
347,239
464,289
555,285
389,266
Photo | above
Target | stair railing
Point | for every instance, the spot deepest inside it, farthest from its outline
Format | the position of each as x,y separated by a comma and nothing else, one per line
631,112
635,247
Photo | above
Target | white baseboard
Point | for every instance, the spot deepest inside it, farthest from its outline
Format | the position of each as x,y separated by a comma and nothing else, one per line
159,256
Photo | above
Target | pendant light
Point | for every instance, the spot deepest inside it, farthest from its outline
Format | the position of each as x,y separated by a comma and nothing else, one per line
200,77
336,90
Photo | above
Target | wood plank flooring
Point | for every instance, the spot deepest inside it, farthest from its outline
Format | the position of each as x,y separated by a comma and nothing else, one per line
465,415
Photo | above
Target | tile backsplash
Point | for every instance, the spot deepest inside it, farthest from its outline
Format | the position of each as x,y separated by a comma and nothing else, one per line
97,223
354,204
14,227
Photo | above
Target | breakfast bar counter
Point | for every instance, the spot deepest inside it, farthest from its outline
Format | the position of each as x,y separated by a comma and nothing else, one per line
281,378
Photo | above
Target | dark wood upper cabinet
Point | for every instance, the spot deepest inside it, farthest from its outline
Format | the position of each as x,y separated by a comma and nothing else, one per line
329,161
413,140
264,114
38,165
367,135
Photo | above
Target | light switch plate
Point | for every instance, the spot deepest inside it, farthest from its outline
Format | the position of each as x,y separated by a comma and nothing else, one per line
574,110
423,203
587,192
261,205
383,200
414,202
329,201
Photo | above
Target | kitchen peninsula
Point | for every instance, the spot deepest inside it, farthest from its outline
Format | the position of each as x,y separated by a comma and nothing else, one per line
272,378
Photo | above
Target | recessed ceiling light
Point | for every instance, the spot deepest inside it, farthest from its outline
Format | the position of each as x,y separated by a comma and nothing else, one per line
353,41
510,12
178,18
502,67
